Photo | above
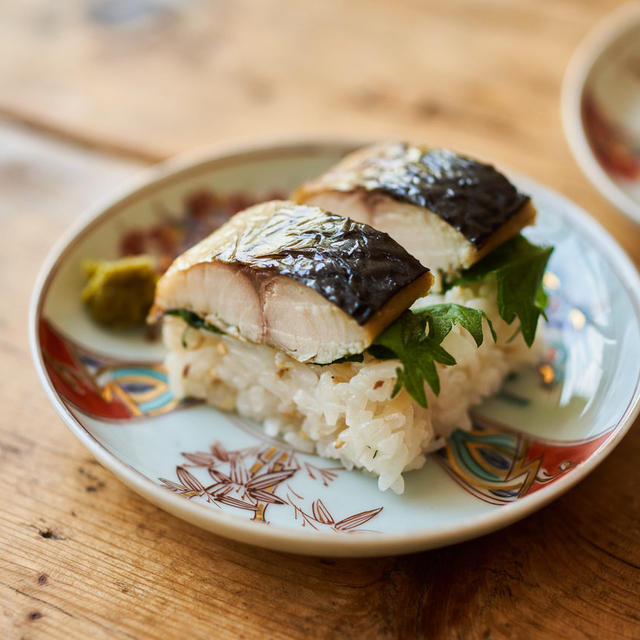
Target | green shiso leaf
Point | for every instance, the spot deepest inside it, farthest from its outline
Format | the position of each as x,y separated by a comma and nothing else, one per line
442,317
518,266
193,320
415,339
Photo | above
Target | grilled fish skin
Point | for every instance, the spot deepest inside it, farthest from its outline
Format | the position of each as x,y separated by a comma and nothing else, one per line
313,284
446,209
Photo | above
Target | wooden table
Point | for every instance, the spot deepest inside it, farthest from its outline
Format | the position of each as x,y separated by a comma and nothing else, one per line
90,92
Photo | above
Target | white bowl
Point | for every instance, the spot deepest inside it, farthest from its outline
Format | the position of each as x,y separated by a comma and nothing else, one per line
601,108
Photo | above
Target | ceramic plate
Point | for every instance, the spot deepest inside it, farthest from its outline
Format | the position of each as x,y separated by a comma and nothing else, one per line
549,426
601,108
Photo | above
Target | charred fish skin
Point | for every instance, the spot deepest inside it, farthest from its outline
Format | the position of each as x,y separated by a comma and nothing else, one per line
381,185
316,285
350,264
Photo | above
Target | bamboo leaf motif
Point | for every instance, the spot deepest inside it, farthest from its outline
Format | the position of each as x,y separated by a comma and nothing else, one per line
200,458
321,513
265,496
269,479
219,476
250,479
234,502
172,486
357,520
189,480
219,452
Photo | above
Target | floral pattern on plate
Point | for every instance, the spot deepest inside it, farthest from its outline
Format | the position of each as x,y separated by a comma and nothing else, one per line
249,480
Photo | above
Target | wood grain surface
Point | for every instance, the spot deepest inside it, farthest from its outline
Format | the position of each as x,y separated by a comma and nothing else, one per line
93,90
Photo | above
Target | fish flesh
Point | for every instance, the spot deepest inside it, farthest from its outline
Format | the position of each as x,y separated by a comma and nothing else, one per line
447,210
312,284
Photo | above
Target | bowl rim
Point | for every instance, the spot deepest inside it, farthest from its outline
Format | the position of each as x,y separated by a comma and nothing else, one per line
597,41
278,537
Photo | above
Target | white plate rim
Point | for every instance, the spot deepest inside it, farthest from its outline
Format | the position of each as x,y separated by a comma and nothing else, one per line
575,77
278,537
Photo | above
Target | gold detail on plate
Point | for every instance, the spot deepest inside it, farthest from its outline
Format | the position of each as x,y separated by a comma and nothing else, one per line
577,318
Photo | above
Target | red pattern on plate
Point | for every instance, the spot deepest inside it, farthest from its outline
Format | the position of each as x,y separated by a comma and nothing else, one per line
610,143
71,379
498,464
101,386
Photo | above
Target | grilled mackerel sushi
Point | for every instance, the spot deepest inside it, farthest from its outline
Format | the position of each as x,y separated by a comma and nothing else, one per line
311,284
259,318
447,210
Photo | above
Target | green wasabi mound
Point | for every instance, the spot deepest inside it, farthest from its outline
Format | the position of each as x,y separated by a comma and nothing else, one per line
120,293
